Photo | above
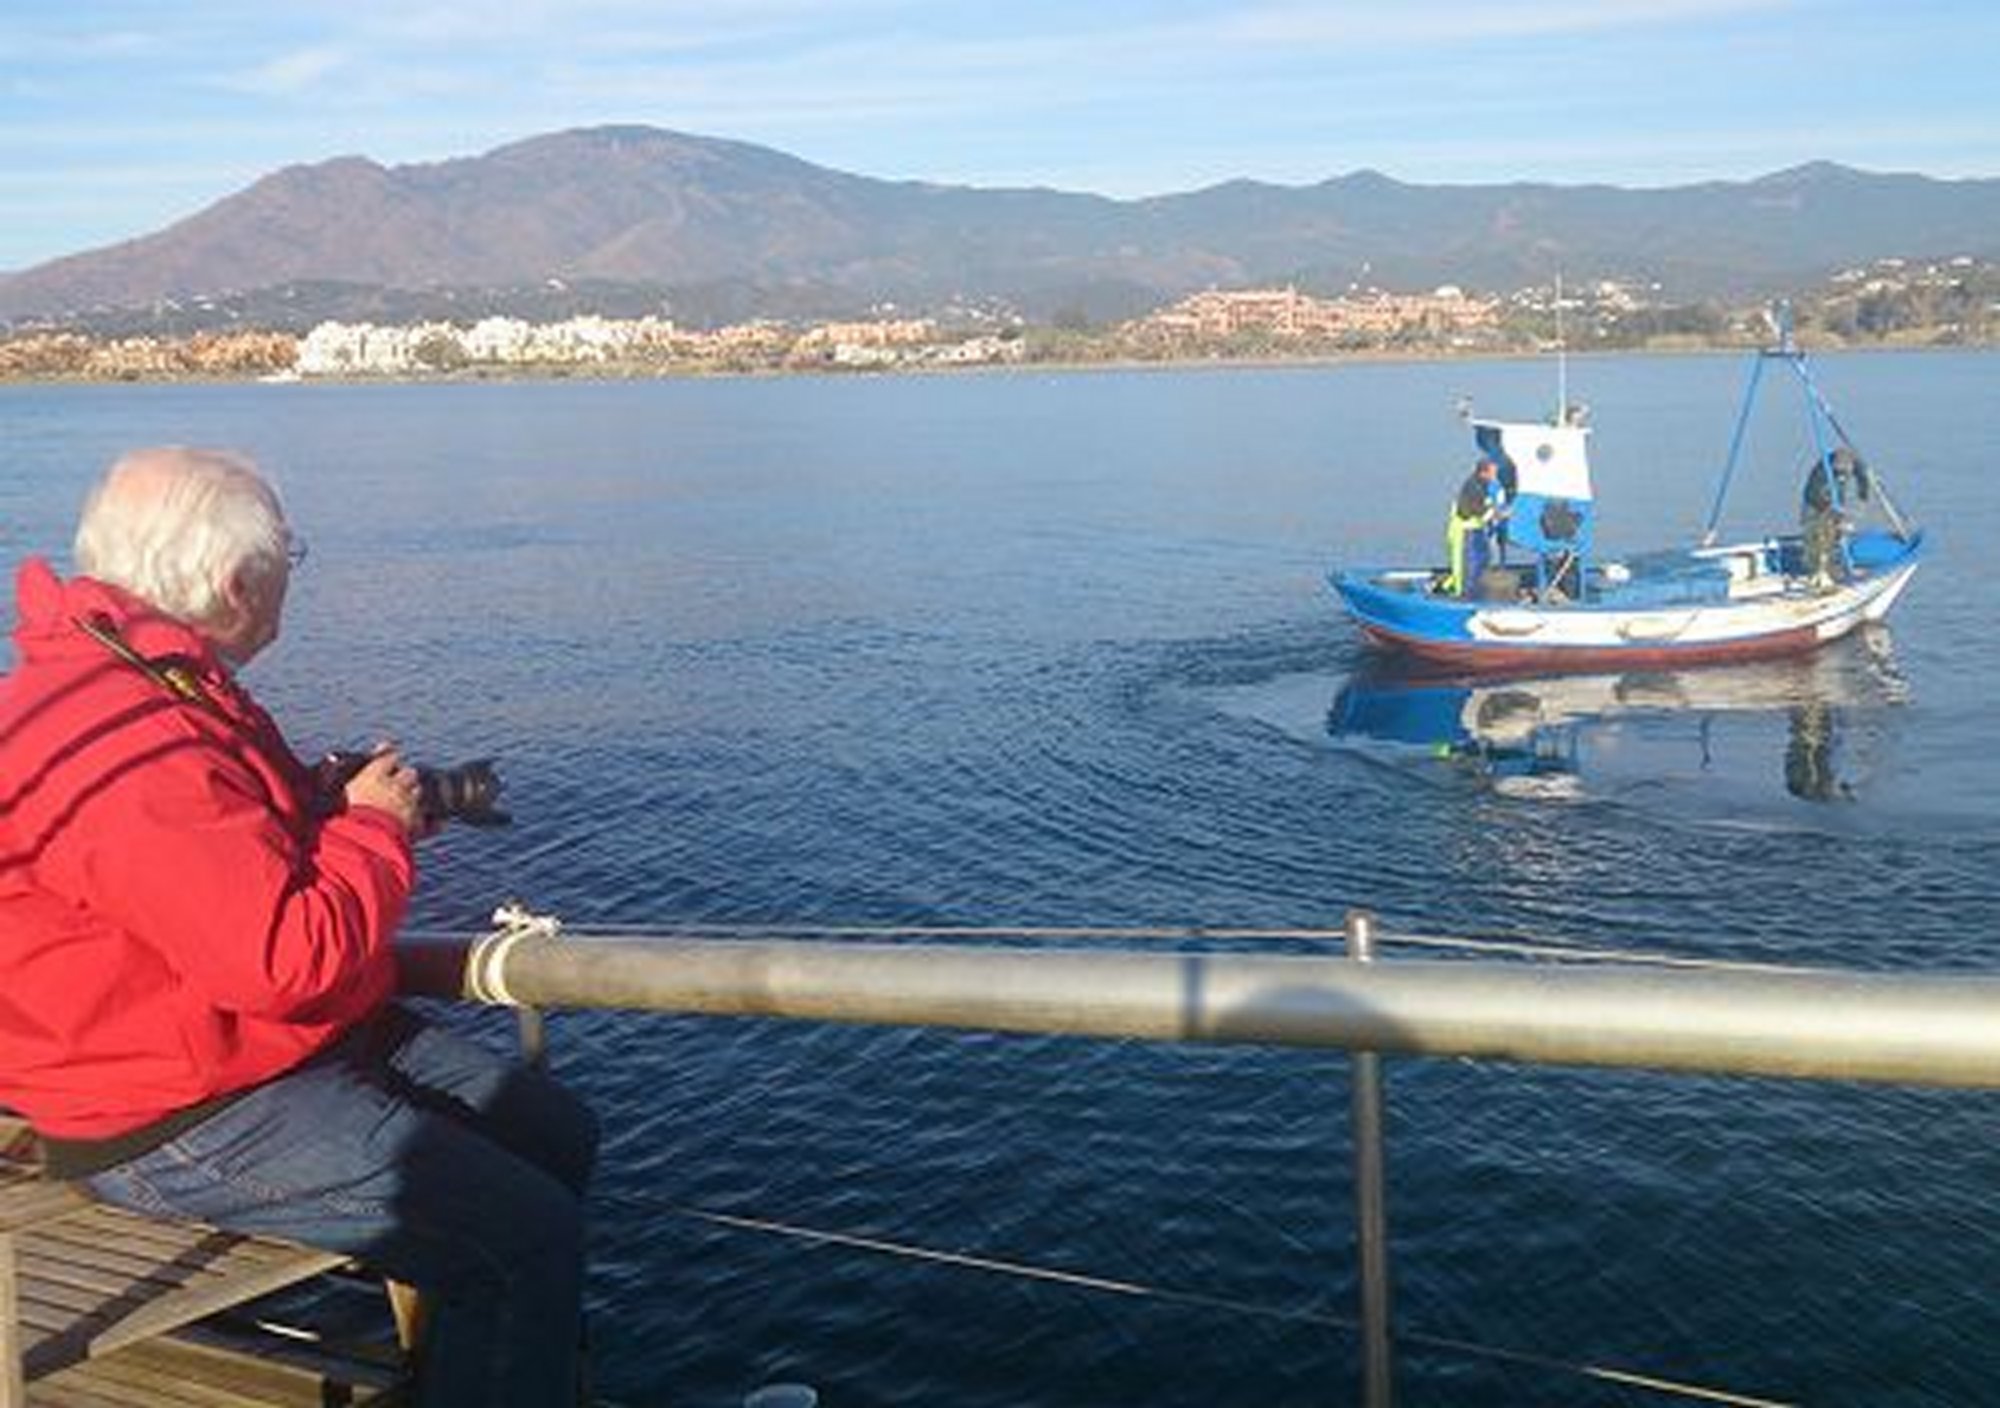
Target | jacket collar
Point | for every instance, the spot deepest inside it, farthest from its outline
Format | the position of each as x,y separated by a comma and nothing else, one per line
50,609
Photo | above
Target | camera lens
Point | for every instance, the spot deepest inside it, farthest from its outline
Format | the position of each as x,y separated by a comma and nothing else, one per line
469,793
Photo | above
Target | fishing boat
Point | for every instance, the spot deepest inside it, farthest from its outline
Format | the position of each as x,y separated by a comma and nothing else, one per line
1553,603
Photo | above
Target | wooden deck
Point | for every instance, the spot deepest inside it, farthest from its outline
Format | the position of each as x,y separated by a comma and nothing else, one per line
101,1308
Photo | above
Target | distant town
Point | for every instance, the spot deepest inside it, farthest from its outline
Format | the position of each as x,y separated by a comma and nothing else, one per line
1890,302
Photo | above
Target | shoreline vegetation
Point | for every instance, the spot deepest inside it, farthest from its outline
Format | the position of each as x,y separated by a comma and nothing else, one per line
1890,304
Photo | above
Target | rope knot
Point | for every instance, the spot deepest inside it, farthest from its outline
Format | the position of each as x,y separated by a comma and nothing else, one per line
486,966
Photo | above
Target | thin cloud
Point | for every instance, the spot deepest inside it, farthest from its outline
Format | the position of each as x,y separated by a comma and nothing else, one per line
1377,26
301,71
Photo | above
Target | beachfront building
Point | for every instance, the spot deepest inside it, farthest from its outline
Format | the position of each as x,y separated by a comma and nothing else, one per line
1220,316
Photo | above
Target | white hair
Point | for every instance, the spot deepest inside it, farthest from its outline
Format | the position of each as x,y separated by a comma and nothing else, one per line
175,525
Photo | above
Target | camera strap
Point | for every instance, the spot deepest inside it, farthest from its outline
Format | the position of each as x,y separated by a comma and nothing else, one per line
170,674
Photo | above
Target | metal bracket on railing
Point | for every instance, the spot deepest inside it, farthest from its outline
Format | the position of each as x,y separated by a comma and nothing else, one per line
486,970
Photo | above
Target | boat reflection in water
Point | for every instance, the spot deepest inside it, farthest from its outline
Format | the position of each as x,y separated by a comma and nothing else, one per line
1563,735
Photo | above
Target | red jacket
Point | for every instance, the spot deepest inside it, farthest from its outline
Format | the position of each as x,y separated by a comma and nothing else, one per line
175,922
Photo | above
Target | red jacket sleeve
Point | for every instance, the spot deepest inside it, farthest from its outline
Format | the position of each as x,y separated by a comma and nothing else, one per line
255,909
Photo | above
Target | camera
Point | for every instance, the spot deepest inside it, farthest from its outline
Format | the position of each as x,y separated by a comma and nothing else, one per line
469,792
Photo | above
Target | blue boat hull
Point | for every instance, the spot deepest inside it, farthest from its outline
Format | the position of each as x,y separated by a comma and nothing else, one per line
1684,608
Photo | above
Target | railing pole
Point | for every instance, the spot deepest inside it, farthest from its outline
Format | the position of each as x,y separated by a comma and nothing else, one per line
1917,1029
534,1032
1371,1216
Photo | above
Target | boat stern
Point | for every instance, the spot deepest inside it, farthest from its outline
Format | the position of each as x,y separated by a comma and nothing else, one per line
1397,608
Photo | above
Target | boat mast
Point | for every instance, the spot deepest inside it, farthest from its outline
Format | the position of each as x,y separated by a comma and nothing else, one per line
1562,358
1713,526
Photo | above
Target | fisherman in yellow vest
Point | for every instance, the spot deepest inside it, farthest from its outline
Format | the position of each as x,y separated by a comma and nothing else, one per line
1468,533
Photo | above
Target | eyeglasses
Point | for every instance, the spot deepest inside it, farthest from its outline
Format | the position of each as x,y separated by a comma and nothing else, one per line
295,549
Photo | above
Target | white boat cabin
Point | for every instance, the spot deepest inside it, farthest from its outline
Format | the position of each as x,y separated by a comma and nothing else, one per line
1545,471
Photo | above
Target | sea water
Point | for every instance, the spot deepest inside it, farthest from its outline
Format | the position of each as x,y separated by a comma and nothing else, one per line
1053,648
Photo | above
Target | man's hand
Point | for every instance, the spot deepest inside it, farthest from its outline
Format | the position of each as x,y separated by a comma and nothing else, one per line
389,784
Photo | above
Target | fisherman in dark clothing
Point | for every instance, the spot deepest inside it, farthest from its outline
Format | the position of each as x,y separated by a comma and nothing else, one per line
1833,486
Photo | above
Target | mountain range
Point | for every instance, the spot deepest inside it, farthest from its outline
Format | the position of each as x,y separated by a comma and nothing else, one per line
706,229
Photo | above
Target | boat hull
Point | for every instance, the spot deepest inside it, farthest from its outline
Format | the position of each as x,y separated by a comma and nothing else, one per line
1397,613
1569,608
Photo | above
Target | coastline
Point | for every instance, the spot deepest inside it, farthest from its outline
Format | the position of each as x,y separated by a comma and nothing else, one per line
1115,362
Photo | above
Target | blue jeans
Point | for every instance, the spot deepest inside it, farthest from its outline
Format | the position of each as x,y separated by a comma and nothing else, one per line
1478,557
433,1159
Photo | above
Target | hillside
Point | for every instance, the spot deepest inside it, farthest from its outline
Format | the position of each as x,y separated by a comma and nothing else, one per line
708,228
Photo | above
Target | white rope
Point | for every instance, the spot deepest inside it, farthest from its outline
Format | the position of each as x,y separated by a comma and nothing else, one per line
486,965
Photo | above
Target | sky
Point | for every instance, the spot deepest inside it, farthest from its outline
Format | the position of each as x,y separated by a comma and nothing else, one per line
119,117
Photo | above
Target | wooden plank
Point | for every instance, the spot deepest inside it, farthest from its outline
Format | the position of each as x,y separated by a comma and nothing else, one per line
89,1294
140,1311
230,1365
99,1222
375,1365
132,1385
13,1388
94,1267
265,1369
80,1280
146,1377
200,1254
175,1373
84,1395
48,1311
26,1200
28,1204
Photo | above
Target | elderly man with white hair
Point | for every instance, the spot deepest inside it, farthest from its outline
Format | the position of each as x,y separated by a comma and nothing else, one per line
195,948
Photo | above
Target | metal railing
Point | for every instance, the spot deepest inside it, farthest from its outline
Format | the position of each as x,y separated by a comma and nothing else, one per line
1798,1023
1924,1030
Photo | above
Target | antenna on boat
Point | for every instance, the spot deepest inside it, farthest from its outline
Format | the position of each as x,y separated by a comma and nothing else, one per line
1562,358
